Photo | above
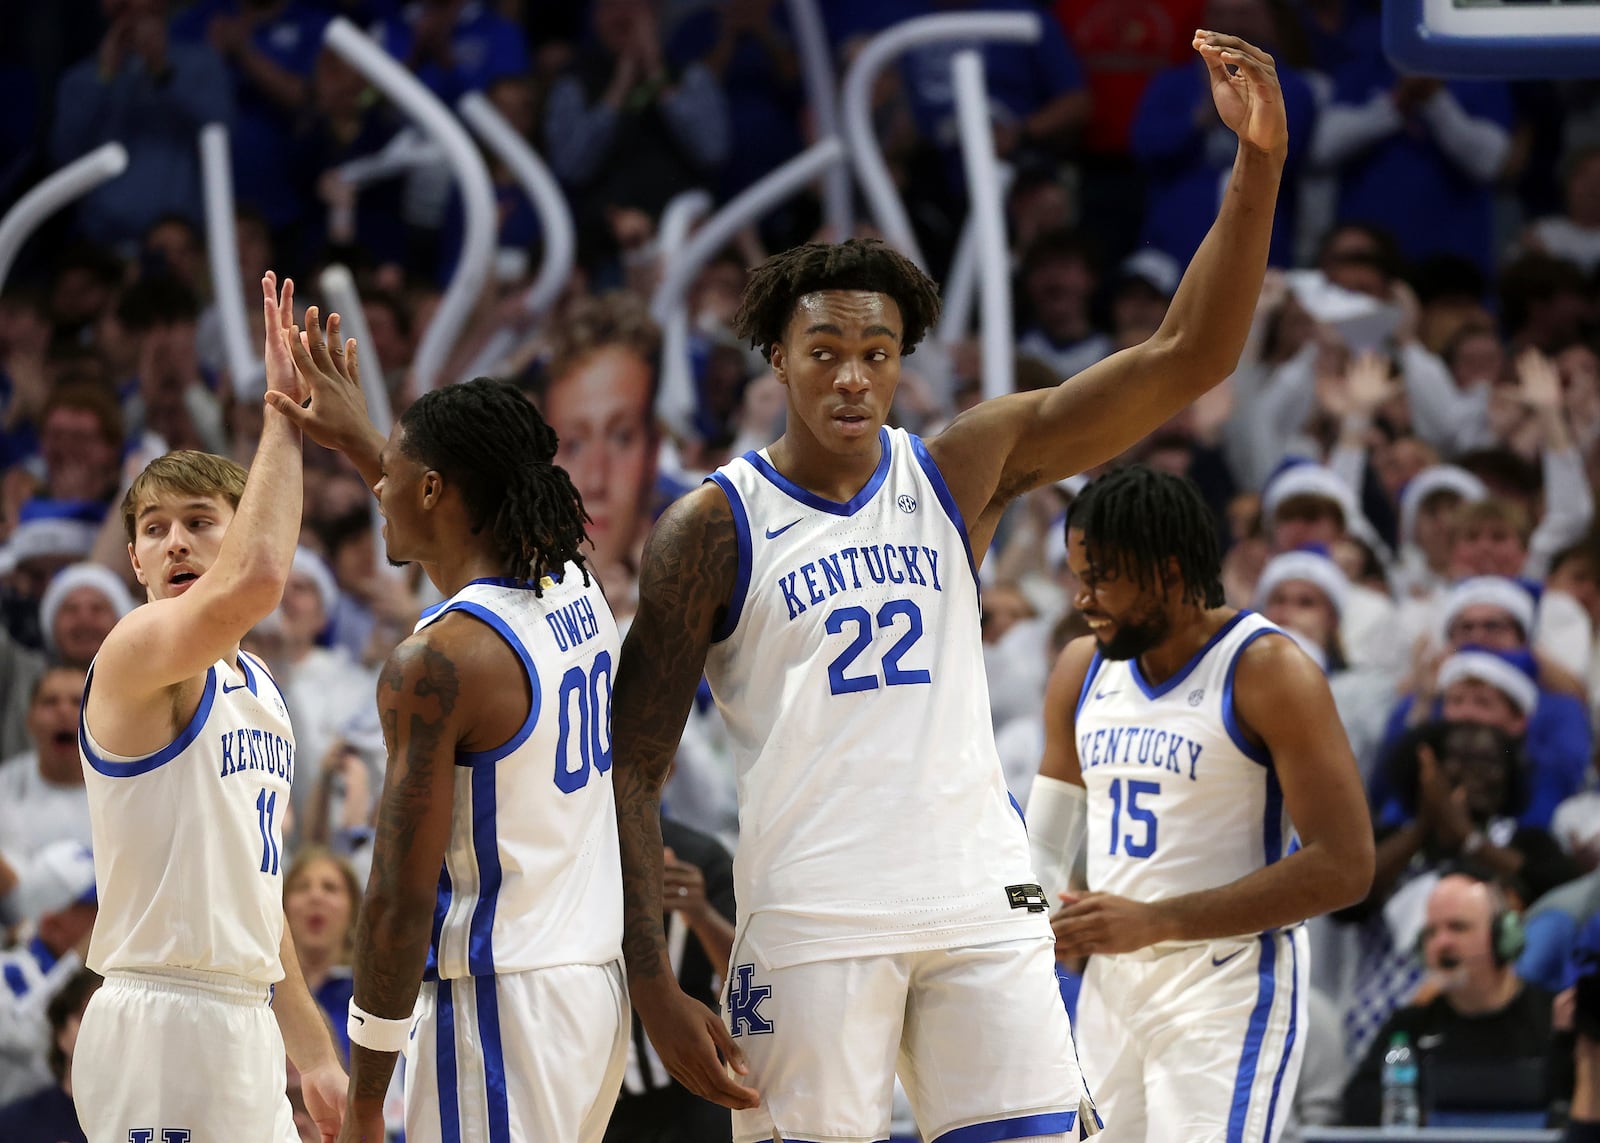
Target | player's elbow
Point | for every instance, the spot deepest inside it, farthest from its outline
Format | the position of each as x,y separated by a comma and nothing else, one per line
1352,870
258,591
1191,358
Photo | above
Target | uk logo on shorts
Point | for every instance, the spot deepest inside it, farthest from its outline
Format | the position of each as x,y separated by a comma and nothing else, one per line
744,1003
167,1135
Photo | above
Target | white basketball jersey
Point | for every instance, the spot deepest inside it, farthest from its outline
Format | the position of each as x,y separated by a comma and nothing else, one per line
872,809
188,841
1179,799
533,875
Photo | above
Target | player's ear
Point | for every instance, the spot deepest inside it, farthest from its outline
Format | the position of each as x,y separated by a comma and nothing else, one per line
779,361
138,572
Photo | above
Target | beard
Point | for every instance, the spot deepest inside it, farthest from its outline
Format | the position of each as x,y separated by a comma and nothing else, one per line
1135,638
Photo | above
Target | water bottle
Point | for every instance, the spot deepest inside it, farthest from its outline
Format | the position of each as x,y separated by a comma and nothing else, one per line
1401,1107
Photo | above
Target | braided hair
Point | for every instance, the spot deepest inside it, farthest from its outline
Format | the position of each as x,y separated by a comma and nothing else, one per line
778,284
489,439
1137,519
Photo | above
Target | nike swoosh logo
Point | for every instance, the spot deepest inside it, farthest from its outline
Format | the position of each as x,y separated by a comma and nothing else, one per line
227,690
358,1019
774,533
1106,694
1219,963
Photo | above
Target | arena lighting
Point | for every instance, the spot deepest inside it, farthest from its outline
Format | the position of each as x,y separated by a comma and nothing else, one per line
871,170
478,210
675,396
72,181
748,206
245,367
558,235
816,70
987,217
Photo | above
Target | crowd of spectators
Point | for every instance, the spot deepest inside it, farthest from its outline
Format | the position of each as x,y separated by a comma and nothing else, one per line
1402,467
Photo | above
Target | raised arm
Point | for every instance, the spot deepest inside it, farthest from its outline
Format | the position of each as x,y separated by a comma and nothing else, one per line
1283,702
418,704
687,577
1006,446
172,640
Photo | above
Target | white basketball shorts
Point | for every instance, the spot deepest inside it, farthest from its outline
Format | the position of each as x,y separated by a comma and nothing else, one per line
525,1057
176,1057
1201,1043
978,1035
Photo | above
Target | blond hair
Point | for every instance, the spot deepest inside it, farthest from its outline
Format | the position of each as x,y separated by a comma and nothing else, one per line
612,319
185,473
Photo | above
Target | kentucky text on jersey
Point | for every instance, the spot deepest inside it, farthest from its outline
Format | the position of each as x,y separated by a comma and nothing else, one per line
244,751
574,624
818,580
1145,745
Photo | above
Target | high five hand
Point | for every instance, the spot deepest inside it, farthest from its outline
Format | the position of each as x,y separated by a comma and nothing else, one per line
1244,84
329,369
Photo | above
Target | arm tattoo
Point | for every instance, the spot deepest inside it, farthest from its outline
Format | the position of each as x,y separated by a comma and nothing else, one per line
417,696
689,568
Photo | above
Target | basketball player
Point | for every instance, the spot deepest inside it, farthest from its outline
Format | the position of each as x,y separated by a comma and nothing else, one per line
827,586
188,757
495,876
1207,741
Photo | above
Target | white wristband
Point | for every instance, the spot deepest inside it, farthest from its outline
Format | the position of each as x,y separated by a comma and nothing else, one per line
1056,830
376,1033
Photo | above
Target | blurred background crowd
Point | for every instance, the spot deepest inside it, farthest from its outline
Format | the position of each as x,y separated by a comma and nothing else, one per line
1402,468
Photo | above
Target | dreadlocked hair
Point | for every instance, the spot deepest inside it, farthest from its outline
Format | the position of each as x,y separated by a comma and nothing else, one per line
777,285
1136,519
489,439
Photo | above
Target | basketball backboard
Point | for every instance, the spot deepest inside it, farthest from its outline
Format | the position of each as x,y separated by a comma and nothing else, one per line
1503,39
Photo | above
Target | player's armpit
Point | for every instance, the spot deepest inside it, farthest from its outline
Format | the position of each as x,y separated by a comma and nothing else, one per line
691,562
1282,699
421,707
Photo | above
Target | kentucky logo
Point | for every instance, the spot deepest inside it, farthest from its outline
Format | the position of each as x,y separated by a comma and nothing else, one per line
744,1003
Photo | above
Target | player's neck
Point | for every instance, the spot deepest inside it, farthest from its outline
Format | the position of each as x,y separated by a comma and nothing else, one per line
820,472
462,564
464,559
1191,630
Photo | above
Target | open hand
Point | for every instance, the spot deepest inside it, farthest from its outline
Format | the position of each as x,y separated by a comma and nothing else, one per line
1244,86
277,311
330,371
1370,383
1538,382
